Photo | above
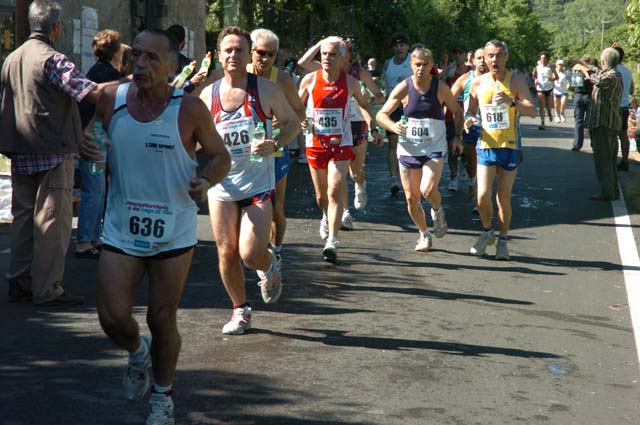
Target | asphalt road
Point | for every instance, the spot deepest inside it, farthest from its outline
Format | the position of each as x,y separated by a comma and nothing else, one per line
386,336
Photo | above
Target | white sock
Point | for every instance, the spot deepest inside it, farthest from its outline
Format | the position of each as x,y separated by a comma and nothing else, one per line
141,353
276,249
162,391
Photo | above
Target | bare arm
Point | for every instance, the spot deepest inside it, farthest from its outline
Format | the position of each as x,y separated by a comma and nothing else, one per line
291,93
525,104
307,61
458,86
446,97
472,112
354,89
393,102
214,76
367,80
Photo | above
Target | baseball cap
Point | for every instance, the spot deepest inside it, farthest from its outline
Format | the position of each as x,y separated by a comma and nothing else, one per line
399,37
559,62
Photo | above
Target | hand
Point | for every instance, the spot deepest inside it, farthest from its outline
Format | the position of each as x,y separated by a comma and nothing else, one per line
377,139
265,148
501,97
400,129
304,124
198,188
89,150
199,78
468,123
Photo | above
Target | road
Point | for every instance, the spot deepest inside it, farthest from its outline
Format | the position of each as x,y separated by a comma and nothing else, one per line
387,336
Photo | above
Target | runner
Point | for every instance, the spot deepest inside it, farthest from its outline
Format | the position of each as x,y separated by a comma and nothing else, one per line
423,141
500,97
359,129
395,70
151,217
544,76
462,86
328,90
560,91
263,55
241,206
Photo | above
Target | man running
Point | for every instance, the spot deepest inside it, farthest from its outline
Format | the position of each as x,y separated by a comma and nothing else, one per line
359,130
500,97
462,86
241,205
263,55
394,71
151,217
423,143
328,91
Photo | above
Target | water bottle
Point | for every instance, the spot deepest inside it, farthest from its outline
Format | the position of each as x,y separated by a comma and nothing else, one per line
309,129
100,138
182,77
258,137
206,63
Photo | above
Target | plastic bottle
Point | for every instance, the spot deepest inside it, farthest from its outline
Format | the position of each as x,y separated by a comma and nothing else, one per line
309,129
182,77
258,137
205,64
100,138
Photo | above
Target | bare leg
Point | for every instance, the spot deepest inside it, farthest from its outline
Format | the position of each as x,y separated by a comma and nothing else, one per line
411,185
431,173
541,102
503,198
336,181
486,176
254,236
392,154
279,222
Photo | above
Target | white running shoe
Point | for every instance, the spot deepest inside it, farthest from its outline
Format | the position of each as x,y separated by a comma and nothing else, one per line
424,243
271,287
347,221
240,321
160,410
453,184
360,198
480,247
502,250
136,380
440,227
557,118
302,158
324,227
330,251
562,118
463,172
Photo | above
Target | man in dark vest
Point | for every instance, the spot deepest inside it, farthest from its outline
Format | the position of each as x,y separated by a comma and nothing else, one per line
41,130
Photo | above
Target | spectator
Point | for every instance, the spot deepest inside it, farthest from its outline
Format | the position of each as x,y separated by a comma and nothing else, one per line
107,49
38,95
582,88
627,89
178,32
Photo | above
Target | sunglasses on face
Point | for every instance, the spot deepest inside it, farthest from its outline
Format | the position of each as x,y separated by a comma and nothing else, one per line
264,53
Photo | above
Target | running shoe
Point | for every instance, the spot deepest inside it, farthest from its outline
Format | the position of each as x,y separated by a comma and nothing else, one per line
360,198
502,251
475,211
136,381
562,118
271,286
486,238
240,321
160,410
324,227
463,173
424,243
330,251
347,221
302,158
440,227
453,184
557,118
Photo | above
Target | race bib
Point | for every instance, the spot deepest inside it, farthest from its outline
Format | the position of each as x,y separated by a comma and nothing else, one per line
419,131
495,117
147,224
327,122
237,135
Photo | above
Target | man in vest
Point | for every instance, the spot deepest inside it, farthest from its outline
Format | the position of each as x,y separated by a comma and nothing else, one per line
264,50
41,129
241,205
151,215
395,70
500,97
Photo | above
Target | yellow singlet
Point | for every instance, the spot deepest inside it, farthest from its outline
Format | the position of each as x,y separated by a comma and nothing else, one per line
499,122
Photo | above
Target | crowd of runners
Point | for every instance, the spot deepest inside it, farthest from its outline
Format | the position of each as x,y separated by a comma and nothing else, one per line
244,116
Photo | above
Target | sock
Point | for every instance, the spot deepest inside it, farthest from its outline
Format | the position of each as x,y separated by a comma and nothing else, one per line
241,305
277,249
140,354
332,239
166,391
503,238
487,229
425,234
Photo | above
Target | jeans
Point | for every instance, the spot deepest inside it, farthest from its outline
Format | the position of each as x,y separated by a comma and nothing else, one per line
92,190
581,103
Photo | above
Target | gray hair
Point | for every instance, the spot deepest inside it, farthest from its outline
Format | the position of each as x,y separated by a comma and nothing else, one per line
264,34
499,44
43,14
610,57
342,47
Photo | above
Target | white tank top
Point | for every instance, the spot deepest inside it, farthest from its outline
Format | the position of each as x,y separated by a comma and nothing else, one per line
544,78
148,205
396,73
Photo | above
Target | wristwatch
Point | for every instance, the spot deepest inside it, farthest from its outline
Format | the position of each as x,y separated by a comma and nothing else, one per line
514,102
276,144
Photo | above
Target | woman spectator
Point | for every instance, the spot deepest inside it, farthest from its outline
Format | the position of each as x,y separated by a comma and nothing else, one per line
108,52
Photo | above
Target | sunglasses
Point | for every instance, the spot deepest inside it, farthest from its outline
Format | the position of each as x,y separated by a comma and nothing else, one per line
264,53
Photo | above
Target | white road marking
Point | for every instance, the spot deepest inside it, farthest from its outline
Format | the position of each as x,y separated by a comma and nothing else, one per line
630,264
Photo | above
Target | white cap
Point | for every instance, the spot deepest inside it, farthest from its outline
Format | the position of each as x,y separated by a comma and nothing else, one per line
559,62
